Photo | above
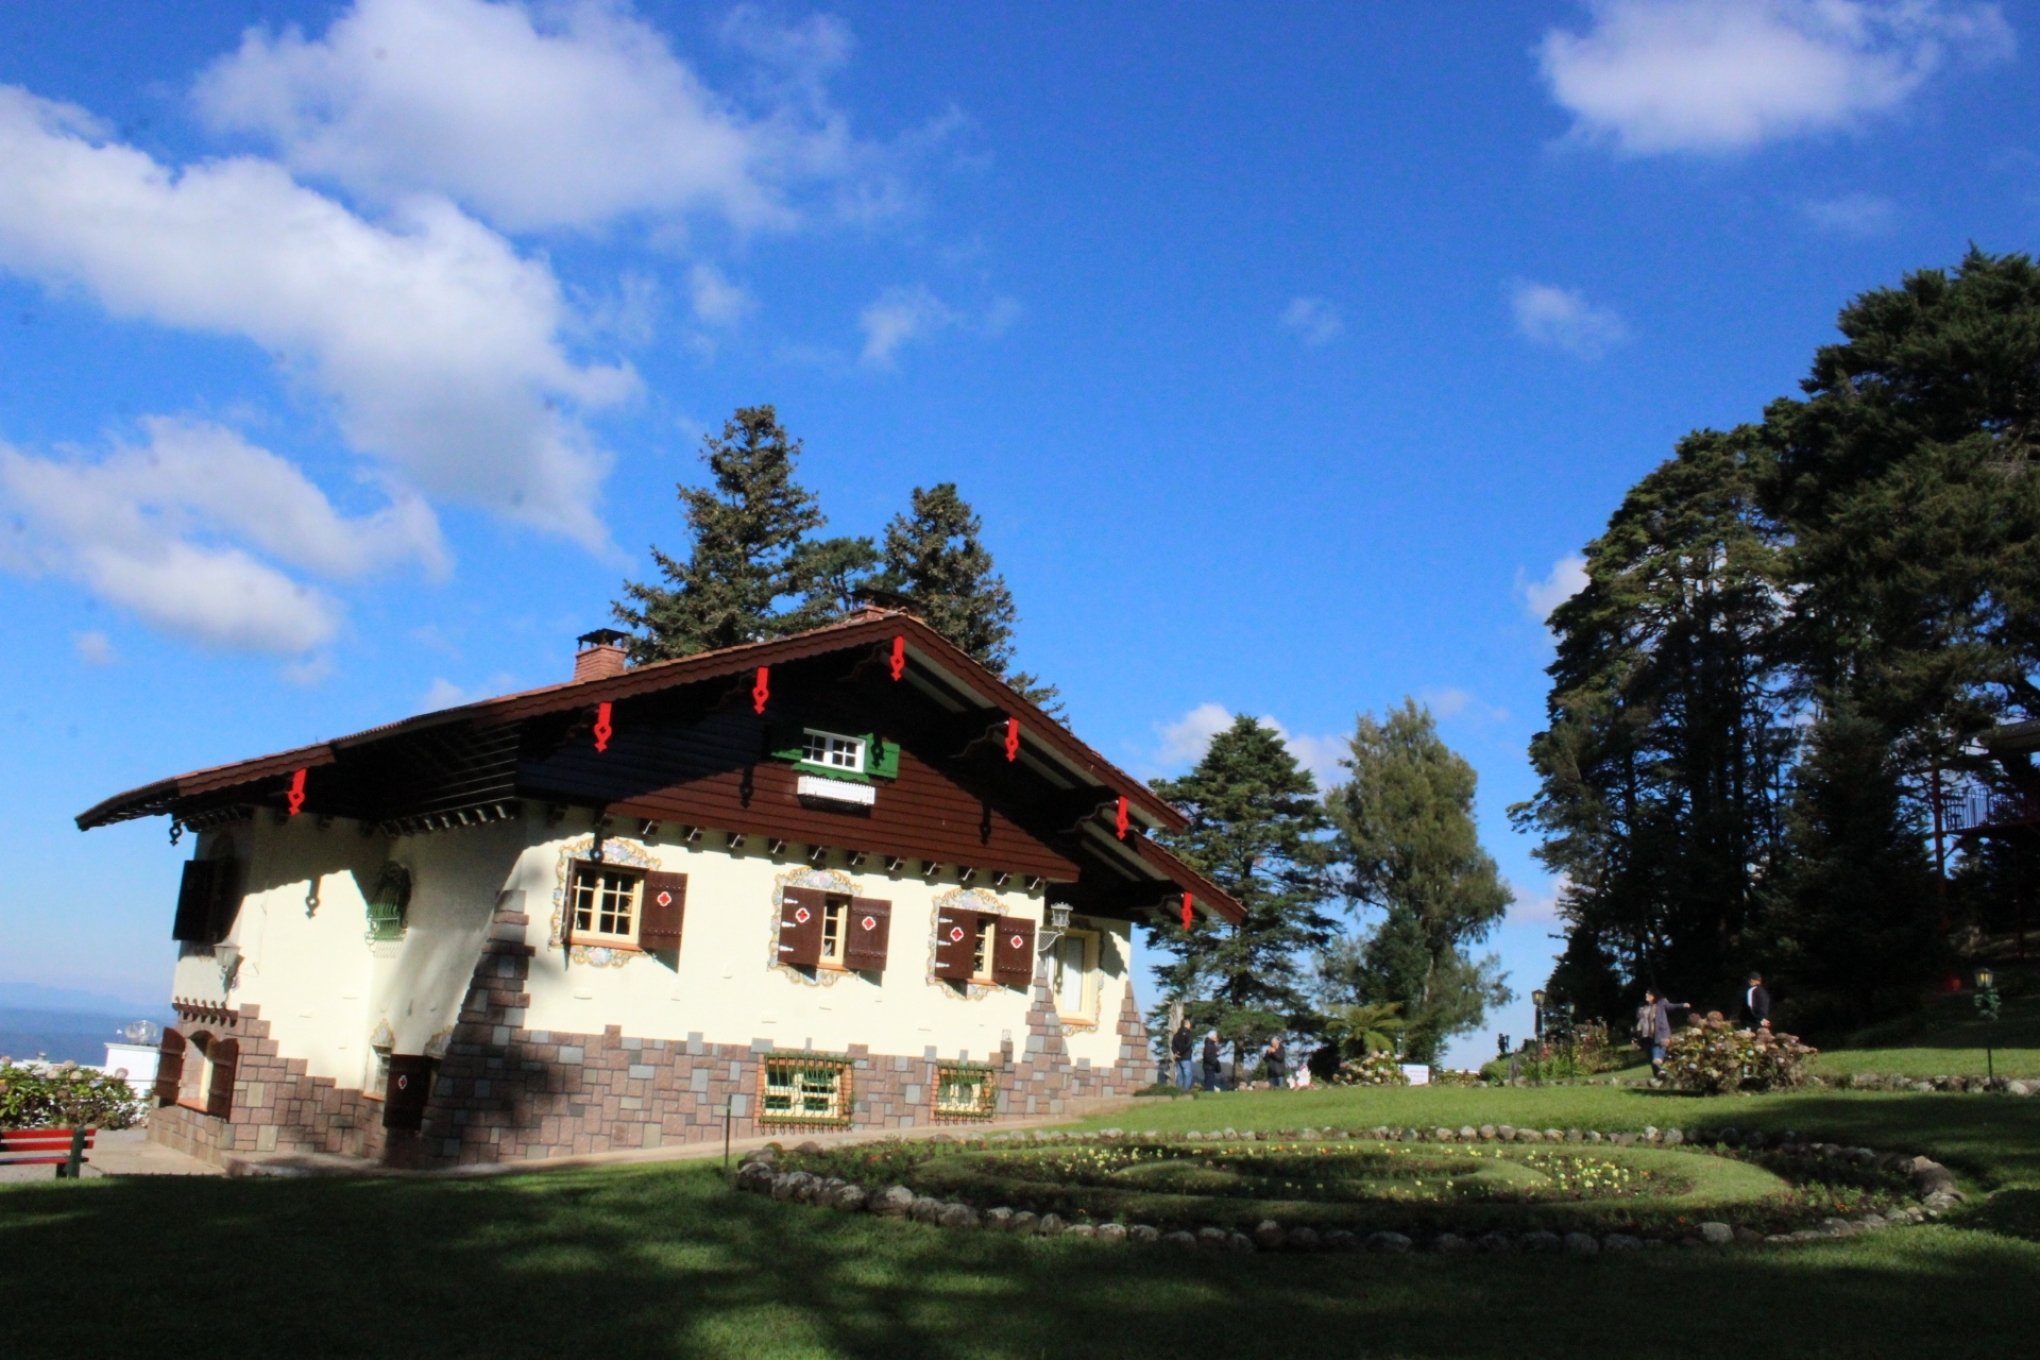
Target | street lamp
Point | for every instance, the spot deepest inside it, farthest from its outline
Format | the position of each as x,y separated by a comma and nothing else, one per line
1537,1002
1987,1004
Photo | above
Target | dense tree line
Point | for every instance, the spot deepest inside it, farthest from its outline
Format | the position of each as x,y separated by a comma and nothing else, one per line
1790,633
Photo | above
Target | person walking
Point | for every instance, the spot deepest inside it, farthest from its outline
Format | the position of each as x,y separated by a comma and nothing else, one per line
1654,1019
1275,1064
1755,1011
1211,1070
1180,1044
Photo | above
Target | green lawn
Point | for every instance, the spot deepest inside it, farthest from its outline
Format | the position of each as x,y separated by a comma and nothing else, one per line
1945,1038
664,1261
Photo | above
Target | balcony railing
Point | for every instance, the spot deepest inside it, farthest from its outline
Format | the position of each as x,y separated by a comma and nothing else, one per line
1981,809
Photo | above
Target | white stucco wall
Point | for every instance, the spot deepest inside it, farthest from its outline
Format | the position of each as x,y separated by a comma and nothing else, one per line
326,989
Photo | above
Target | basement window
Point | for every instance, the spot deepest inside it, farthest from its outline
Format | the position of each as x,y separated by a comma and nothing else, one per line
965,1091
805,1088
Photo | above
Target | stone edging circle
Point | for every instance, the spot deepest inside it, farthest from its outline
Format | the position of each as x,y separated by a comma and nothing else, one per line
1933,1186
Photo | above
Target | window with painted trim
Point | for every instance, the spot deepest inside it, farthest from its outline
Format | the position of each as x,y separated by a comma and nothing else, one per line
800,1088
985,949
832,750
965,1091
605,902
835,930
1073,976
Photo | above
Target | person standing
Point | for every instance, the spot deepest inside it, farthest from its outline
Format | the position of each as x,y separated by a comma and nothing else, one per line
1180,1044
1211,1068
1275,1064
1655,1019
1755,1012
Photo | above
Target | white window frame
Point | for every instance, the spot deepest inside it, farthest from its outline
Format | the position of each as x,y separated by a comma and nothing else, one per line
832,751
836,913
585,870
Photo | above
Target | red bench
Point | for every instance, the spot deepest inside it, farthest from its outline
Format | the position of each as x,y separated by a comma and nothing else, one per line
64,1149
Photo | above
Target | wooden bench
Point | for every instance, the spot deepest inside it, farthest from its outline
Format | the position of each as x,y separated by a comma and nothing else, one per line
64,1149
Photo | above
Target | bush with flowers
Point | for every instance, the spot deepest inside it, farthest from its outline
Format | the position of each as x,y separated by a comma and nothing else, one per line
39,1095
1711,1056
1376,1069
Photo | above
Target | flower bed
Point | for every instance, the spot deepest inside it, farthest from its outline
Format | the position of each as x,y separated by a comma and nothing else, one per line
1489,1189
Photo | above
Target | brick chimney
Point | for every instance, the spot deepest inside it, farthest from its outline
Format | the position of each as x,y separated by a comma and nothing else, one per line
602,654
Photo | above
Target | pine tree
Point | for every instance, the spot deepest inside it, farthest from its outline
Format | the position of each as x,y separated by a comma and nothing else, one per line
934,557
1256,830
1407,846
753,573
1850,934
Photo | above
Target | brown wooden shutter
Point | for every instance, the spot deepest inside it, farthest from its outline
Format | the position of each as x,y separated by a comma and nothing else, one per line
195,897
410,1086
800,926
1013,952
169,1067
955,943
226,897
226,1057
870,924
661,910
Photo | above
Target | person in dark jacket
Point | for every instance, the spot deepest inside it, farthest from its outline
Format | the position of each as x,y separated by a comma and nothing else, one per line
1211,1068
1180,1044
1755,1011
1275,1064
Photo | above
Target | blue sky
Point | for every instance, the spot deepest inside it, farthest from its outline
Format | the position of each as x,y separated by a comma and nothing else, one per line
349,353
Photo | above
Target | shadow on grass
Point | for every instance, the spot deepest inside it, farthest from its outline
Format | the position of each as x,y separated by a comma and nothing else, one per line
667,1262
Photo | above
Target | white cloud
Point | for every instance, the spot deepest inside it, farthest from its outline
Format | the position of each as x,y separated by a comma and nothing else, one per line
897,317
1568,577
565,114
95,648
1539,907
177,531
1658,76
1454,702
717,301
1563,319
442,694
1852,214
1313,320
1184,742
438,345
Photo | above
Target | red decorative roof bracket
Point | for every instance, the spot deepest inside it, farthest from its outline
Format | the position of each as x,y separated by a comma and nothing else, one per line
1012,739
899,656
761,689
1188,914
1119,823
604,729
297,792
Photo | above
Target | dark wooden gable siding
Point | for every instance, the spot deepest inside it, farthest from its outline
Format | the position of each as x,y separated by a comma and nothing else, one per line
702,756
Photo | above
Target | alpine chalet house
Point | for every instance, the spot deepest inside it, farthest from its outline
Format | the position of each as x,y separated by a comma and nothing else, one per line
843,879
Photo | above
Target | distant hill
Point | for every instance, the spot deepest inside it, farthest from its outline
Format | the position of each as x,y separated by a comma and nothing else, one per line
35,996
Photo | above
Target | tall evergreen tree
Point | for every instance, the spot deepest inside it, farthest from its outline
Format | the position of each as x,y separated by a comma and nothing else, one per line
1407,846
933,555
1851,931
1256,830
1661,771
753,572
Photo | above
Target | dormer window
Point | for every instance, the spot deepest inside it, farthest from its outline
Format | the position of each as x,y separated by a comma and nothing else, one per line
833,751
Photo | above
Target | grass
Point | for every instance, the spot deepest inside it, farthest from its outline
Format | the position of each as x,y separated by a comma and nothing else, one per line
664,1261
1947,1038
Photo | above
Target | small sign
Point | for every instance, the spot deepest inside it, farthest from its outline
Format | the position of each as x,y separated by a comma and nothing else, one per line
800,915
955,933
664,899
1018,941
868,923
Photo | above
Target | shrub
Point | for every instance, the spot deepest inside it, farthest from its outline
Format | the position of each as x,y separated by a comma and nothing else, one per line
1711,1056
1376,1069
56,1095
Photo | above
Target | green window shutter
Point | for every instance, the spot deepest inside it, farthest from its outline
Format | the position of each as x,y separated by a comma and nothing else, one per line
881,757
389,903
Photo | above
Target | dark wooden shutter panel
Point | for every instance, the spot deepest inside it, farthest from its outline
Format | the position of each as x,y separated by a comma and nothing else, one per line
1013,952
800,926
195,902
870,925
226,897
169,1067
881,758
661,910
226,1057
955,943
410,1086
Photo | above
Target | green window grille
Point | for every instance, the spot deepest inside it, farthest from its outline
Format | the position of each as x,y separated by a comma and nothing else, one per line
965,1092
389,902
803,1089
